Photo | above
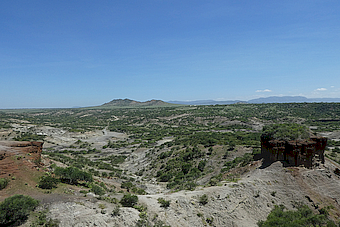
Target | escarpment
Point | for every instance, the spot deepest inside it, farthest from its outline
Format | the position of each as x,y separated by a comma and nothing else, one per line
15,154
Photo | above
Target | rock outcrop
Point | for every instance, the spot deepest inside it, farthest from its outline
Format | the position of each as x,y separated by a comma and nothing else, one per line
13,154
307,153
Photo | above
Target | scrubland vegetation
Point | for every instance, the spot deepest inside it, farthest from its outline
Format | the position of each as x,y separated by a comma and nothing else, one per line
184,147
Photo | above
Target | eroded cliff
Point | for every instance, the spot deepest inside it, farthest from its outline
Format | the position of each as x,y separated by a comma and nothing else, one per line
307,152
14,154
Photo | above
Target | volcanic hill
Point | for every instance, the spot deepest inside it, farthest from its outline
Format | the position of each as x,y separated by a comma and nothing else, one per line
133,103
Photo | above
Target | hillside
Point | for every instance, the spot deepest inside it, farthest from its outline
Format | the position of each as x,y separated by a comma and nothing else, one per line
185,165
132,103
239,204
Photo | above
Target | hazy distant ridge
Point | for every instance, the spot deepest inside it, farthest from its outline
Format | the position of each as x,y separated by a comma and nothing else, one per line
271,99
290,99
205,102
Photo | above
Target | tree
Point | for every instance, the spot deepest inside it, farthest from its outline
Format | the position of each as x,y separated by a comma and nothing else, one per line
128,185
201,165
16,209
48,182
73,175
286,131
129,200
97,190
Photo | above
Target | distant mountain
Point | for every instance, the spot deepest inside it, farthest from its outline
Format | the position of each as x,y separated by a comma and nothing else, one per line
133,103
206,102
290,99
279,99
271,99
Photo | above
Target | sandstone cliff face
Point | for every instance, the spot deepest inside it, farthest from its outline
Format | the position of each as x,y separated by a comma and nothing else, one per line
16,153
307,153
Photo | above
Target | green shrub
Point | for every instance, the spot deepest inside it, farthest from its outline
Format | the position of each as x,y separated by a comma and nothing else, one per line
96,189
203,199
209,220
129,200
48,182
138,191
164,203
140,208
3,183
127,185
291,131
201,165
72,175
16,209
42,220
301,217
115,211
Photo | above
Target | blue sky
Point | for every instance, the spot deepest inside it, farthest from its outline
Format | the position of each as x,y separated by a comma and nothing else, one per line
84,53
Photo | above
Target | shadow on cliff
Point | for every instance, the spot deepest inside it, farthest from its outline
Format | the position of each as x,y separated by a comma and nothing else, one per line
266,163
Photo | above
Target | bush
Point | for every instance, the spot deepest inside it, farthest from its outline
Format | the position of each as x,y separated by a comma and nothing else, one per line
72,175
3,183
16,209
203,199
303,216
115,211
127,185
42,220
164,203
291,131
209,220
201,165
129,200
48,182
96,189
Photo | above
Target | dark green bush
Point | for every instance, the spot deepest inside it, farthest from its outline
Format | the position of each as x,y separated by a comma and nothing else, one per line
288,131
201,165
3,183
129,200
16,209
302,217
72,175
127,185
48,182
164,203
96,189
203,199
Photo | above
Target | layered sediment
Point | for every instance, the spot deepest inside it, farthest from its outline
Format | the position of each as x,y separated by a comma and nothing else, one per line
307,153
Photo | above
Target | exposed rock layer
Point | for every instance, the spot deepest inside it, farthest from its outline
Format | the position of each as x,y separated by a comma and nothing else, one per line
307,153
16,153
